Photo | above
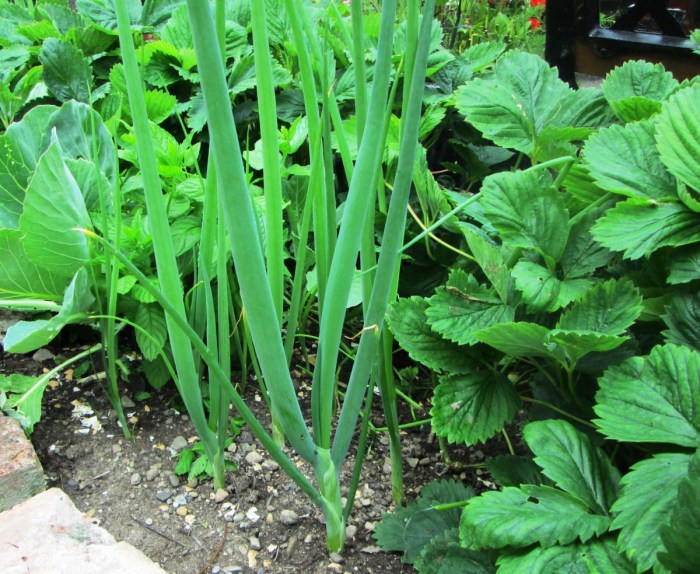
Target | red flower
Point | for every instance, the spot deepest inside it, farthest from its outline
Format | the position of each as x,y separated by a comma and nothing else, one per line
535,3
534,23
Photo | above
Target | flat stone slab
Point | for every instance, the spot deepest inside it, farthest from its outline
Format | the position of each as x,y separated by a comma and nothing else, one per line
21,475
47,534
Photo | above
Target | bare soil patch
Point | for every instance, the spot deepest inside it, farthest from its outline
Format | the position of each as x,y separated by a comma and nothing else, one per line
265,524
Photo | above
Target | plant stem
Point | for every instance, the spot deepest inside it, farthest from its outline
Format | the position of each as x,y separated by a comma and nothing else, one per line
558,410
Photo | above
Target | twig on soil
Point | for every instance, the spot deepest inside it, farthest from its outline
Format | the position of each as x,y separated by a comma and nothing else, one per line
216,552
156,531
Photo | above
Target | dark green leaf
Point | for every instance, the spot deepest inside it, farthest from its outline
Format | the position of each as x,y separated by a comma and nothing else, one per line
567,457
639,227
682,318
575,344
678,136
409,324
625,161
583,254
460,309
599,556
685,266
444,555
608,308
491,261
472,408
527,211
517,339
151,318
483,54
156,372
512,470
528,515
680,536
512,109
66,71
652,399
542,290
648,494
636,89
185,232
410,528
580,183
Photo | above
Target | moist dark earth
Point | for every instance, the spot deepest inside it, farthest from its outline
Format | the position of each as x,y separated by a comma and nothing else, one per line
261,523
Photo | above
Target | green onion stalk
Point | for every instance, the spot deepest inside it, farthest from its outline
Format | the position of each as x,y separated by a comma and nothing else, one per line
323,452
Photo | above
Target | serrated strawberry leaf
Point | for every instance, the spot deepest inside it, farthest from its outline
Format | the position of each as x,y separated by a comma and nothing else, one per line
682,317
517,339
681,534
685,266
573,345
445,555
542,290
519,517
598,556
513,470
408,322
528,211
512,110
411,527
678,136
473,407
463,307
625,161
652,399
568,458
646,502
491,261
583,254
636,89
608,308
640,227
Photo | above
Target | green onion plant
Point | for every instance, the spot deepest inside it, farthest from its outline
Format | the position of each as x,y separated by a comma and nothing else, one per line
259,269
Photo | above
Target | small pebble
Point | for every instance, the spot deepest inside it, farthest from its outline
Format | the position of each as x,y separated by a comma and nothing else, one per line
127,403
149,521
413,462
254,543
174,479
350,531
289,517
253,457
335,557
153,472
181,511
42,355
163,495
135,479
179,442
220,495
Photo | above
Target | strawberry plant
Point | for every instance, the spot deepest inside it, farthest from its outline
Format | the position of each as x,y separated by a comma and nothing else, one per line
575,266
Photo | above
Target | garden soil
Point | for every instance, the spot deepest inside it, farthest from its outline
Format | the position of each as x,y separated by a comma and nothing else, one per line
261,523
